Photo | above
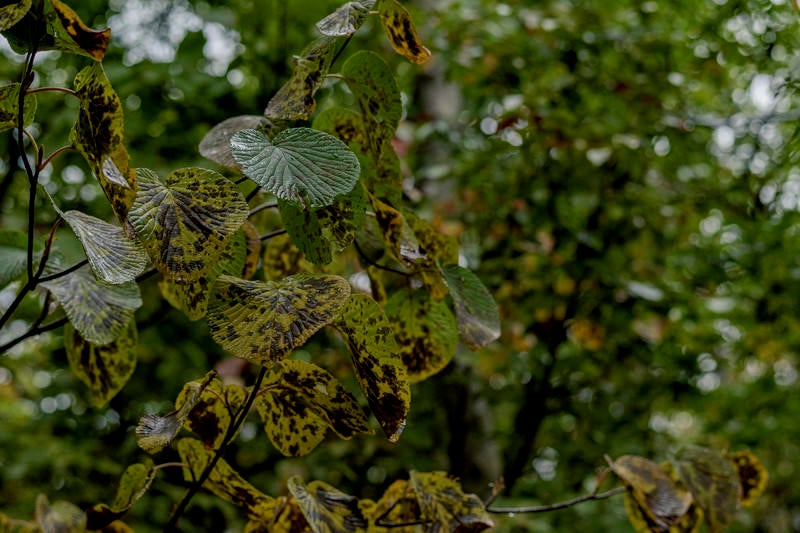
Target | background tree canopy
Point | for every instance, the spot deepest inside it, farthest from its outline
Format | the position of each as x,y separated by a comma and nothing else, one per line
621,176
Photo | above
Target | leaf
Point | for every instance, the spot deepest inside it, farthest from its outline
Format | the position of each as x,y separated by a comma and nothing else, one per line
752,476
264,322
397,234
9,106
86,41
343,123
299,401
154,432
279,515
106,368
100,311
642,523
224,481
61,517
295,99
114,257
216,144
476,312
186,221
298,162
443,502
400,30
425,330
346,20
97,135
13,255
282,258
210,415
253,248
397,505
12,13
439,250
135,482
327,509
714,483
379,368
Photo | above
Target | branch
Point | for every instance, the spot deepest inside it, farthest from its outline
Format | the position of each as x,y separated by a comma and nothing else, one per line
272,234
54,154
52,90
369,261
555,506
64,272
262,207
32,333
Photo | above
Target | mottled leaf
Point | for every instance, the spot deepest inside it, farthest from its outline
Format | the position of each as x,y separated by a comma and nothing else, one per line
100,311
299,401
343,123
752,475
713,482
155,432
12,13
397,234
327,509
224,481
378,365
9,107
135,482
114,257
282,258
253,250
216,144
444,503
186,221
97,135
439,250
298,163
13,255
210,416
60,517
279,515
425,330
346,20
265,321
400,30
295,99
476,312
641,522
76,36
397,505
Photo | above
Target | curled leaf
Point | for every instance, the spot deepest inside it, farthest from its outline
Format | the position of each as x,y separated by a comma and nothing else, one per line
326,508
400,30
135,482
346,20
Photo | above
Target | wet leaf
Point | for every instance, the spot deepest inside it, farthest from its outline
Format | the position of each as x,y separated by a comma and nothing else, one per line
253,248
282,259
327,509
295,99
397,234
216,144
442,501
299,401
106,368
476,312
224,481
713,482
298,163
97,135
13,255
12,13
60,517
78,37
378,365
9,107
155,432
210,416
135,482
186,221
264,321
346,20
400,30
114,257
100,311
752,475
426,332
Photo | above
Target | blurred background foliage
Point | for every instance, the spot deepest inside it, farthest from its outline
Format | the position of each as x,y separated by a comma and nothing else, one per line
622,175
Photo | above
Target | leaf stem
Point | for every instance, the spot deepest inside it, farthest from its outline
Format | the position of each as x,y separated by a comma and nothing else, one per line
272,234
55,154
369,261
52,90
560,505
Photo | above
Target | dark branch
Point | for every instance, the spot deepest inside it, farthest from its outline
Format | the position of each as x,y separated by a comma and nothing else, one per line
556,506
272,234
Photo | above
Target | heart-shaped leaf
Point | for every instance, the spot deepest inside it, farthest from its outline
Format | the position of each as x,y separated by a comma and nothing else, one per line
326,508
400,30
12,13
476,312
185,222
135,482
216,144
346,20
264,321
9,107
443,502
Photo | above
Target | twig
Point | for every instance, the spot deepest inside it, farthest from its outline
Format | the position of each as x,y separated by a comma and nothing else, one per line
272,234
363,256
64,272
32,333
556,506
262,207
54,154
52,90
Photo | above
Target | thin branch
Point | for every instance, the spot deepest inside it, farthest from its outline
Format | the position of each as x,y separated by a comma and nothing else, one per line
272,234
48,246
34,331
55,154
33,176
560,505
363,256
252,194
262,207
146,274
341,49
64,272
169,465
52,90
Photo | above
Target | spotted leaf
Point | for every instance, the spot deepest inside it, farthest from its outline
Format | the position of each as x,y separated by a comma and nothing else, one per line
210,416
186,221
97,135
752,475
327,509
12,13
264,321
713,482
443,502
377,362
397,505
642,522
299,401
135,482
295,99
397,234
298,163
279,515
282,259
345,124
77,37
216,144
252,248
346,20
9,107
400,30
476,312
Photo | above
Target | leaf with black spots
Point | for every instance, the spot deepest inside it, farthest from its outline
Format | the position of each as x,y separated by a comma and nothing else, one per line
377,362
327,509
298,164
210,416
216,144
343,123
295,99
400,30
135,482
75,36
9,107
439,250
12,13
476,311
264,321
253,250
100,311
397,234
97,135
714,483
282,259
443,502
186,221
346,20
397,505
279,515
753,475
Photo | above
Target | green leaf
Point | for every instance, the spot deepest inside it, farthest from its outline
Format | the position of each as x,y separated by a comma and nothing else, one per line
216,144
343,123
295,99
12,13
73,35
13,255
114,257
400,30
346,20
443,502
298,162
714,483
379,368
264,322
210,415
397,234
425,330
439,250
327,509
105,368
299,401
282,259
97,135
186,221
135,482
9,107
61,517
476,312
100,311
